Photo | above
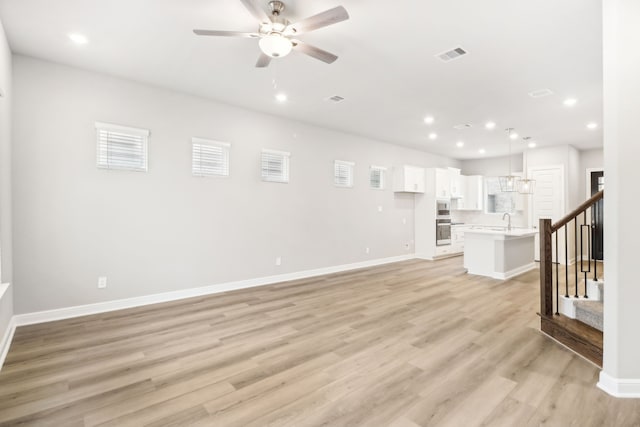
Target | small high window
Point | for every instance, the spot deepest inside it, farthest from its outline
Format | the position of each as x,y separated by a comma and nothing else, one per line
377,177
275,166
209,158
343,173
121,147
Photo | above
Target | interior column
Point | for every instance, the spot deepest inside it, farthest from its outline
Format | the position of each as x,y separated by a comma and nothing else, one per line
621,35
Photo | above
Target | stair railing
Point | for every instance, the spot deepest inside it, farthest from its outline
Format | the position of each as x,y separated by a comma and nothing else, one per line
549,236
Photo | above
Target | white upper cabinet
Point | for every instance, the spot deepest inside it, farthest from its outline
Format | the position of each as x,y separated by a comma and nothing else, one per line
471,198
443,184
456,184
474,193
408,179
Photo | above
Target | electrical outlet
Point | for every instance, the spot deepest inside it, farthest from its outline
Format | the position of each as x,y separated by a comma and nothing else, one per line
278,260
366,250
407,246
404,221
102,282
379,208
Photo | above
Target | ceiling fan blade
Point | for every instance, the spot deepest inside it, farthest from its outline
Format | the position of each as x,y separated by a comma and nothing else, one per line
314,52
225,33
326,18
263,61
255,9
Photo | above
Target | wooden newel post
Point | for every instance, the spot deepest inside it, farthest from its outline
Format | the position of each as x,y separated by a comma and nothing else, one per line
546,265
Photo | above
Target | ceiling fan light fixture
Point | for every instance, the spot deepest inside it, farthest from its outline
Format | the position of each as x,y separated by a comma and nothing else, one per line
275,45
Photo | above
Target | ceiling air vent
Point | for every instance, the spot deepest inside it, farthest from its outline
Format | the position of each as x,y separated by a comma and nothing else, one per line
452,54
540,93
463,126
335,98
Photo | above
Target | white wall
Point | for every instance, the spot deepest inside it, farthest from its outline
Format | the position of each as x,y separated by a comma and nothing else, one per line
621,370
493,166
166,230
6,298
576,176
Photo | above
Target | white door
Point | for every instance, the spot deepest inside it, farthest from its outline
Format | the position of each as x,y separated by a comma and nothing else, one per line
547,200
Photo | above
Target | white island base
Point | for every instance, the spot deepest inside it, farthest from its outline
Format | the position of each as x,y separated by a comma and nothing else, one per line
499,254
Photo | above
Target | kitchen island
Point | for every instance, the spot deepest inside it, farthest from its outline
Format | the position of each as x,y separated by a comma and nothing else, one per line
499,253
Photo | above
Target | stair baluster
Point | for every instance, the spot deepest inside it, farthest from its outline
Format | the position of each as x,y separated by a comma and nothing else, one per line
575,253
594,218
557,278
566,262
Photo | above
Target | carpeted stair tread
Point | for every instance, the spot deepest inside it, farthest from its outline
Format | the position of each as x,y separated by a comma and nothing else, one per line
590,312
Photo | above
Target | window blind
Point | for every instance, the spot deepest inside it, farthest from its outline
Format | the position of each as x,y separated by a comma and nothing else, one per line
121,147
376,177
275,166
343,173
209,158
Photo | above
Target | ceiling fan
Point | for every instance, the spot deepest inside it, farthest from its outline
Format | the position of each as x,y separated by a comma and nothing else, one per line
277,34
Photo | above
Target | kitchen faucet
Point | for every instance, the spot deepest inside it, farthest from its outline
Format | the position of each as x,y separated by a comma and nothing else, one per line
508,215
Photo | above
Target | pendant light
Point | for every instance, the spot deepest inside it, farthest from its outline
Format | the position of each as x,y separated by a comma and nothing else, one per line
508,183
526,185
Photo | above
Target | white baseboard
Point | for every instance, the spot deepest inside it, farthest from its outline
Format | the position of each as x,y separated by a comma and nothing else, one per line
7,335
619,387
102,307
6,340
515,272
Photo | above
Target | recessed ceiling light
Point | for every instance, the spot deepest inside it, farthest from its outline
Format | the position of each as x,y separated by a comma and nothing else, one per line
592,125
281,97
428,120
78,38
481,151
513,135
433,135
459,144
532,144
490,125
570,102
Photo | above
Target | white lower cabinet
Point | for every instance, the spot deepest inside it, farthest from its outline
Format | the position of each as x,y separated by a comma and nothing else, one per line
444,250
457,239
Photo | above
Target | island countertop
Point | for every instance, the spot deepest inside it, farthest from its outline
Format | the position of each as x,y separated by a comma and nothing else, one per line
501,232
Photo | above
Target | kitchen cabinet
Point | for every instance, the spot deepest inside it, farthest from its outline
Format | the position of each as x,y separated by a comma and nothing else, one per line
443,184
456,184
472,197
408,179
441,251
474,193
457,238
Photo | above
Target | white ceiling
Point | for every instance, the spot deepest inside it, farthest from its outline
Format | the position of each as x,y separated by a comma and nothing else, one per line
386,68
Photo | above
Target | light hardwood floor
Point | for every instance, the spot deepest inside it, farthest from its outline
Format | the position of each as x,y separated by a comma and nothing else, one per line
415,343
